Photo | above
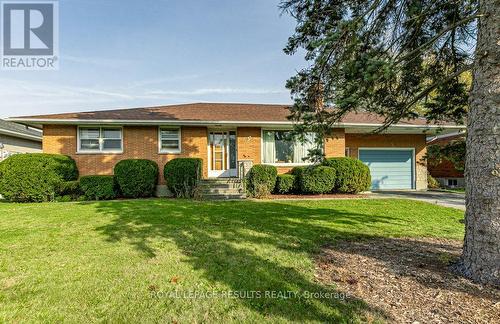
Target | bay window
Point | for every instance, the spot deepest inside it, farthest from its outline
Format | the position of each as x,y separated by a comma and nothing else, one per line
279,148
100,139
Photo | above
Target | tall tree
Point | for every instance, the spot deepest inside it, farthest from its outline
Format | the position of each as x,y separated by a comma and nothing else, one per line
481,255
401,59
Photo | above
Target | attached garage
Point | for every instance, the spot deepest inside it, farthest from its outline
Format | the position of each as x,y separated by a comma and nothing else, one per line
389,168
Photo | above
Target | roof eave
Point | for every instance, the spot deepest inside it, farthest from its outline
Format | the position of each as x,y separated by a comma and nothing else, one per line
42,121
37,138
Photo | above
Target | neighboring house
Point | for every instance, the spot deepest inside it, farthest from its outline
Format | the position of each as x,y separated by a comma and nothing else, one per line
226,136
17,138
445,172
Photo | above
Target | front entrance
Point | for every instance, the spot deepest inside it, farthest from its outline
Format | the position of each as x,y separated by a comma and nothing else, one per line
222,154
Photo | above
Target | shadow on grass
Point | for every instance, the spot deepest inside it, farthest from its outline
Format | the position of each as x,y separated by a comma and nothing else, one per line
233,243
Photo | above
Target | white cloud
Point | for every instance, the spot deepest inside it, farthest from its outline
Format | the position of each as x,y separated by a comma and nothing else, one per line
206,91
173,78
31,98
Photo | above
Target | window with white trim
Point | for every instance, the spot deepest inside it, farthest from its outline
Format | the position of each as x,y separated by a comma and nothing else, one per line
100,139
170,140
279,148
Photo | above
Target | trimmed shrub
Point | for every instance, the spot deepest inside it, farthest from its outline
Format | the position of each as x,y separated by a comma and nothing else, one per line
98,187
285,183
297,173
432,183
352,175
70,189
315,180
182,176
35,177
261,180
136,178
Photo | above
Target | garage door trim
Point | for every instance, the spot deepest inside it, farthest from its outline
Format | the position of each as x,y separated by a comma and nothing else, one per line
412,149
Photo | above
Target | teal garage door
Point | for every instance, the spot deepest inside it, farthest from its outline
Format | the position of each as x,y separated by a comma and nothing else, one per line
390,169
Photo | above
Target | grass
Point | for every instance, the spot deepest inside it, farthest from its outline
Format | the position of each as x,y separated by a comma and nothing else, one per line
119,261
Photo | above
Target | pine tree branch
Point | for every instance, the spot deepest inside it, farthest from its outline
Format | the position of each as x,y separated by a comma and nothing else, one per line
420,96
437,36
433,86
334,47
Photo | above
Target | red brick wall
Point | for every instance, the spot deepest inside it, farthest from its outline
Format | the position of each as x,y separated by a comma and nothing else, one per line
445,169
138,142
249,144
417,141
335,144
354,141
142,142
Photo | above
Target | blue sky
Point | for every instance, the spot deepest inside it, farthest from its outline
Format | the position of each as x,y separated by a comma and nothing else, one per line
116,54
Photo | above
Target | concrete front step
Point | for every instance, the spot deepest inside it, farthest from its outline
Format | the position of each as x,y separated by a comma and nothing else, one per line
222,189
221,185
222,180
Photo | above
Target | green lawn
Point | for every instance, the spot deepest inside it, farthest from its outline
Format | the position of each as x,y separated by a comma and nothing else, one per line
118,261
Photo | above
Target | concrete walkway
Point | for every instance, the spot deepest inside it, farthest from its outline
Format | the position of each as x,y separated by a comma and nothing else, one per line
446,199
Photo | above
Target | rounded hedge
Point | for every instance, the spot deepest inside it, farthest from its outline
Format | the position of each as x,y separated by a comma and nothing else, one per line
261,180
182,176
70,189
315,179
136,178
35,177
285,184
98,187
352,175
297,173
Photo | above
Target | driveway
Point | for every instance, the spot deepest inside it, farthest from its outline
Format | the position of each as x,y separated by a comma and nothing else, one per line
446,199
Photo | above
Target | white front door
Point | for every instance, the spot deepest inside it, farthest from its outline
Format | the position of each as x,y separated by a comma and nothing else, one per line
222,154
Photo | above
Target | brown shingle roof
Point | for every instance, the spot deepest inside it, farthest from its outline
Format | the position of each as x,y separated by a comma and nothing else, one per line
18,128
210,112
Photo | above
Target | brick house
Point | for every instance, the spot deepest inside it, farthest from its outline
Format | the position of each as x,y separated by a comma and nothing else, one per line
225,136
16,139
444,171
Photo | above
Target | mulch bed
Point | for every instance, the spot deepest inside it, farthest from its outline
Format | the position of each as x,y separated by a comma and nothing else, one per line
408,281
326,196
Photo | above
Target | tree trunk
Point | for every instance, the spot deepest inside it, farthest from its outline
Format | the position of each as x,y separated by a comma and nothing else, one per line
481,253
